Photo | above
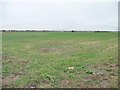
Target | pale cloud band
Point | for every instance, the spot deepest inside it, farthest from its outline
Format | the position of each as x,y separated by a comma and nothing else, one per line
29,1
59,14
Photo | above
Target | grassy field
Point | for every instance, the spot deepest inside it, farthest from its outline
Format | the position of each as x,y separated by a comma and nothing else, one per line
60,59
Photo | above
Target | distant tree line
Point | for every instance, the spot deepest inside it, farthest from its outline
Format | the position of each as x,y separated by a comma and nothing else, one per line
48,31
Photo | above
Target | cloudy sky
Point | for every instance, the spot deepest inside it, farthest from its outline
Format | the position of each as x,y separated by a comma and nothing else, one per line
59,14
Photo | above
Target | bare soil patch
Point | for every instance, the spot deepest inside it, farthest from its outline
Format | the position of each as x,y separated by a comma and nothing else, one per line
6,80
48,50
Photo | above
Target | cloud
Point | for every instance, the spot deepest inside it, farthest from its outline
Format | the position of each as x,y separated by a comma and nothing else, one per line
56,15
31,1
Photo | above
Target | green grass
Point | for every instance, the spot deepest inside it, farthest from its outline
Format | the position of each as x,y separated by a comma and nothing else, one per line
60,59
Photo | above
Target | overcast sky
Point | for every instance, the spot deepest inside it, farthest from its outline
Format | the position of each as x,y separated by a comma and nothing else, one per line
59,14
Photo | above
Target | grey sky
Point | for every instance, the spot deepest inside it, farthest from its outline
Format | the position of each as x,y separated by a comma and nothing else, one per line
59,14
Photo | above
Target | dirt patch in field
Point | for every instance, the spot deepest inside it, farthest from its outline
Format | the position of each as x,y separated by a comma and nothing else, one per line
49,50
39,84
101,81
45,81
30,86
105,76
64,83
8,79
73,83
5,57
8,59
23,63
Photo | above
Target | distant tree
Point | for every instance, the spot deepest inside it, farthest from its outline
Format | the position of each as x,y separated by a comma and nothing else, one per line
96,31
3,30
73,31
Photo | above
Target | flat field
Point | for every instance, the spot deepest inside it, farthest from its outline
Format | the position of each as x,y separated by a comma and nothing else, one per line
60,59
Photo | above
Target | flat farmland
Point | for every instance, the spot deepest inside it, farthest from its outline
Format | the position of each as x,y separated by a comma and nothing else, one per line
60,59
